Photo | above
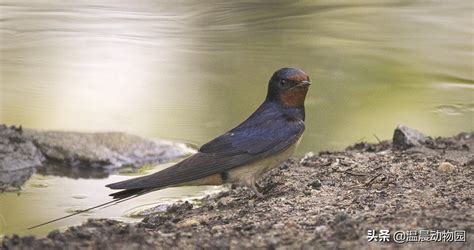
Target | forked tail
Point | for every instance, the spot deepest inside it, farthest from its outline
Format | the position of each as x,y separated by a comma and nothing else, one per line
119,197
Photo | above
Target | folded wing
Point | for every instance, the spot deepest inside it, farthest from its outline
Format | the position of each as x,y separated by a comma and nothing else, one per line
264,135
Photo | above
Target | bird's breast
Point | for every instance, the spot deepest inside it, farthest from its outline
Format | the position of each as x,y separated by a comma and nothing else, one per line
250,172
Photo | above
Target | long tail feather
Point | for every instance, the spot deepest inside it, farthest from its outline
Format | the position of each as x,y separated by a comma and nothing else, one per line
124,196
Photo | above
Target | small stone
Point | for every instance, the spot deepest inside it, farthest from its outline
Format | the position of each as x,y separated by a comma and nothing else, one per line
291,224
217,228
279,225
446,167
305,161
188,223
316,184
186,234
224,201
251,203
320,228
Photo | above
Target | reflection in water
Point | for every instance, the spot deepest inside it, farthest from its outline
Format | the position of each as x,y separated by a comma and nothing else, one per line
192,71
72,172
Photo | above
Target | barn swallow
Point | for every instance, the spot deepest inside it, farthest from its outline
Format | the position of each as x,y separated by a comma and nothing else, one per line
263,141
242,155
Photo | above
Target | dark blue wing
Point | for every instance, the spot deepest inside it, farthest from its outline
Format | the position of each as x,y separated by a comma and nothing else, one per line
270,133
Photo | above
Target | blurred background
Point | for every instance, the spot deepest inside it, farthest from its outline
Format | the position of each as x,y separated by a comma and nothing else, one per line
191,70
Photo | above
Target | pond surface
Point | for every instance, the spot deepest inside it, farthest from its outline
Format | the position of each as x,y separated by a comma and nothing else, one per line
191,70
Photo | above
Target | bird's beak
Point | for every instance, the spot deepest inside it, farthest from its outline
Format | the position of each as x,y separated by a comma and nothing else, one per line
304,84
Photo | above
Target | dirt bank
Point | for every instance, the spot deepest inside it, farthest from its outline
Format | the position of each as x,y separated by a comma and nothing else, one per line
327,200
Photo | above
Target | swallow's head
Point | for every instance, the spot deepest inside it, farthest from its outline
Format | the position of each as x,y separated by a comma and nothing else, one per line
288,87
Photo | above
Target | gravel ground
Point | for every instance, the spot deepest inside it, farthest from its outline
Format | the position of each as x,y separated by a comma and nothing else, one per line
325,200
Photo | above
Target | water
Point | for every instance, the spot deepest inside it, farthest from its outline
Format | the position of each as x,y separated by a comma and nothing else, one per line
47,197
191,70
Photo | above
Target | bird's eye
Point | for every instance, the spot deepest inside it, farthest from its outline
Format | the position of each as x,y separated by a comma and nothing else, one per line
284,83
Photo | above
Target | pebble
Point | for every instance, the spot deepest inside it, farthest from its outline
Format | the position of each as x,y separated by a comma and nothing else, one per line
320,228
316,184
446,167
189,223
305,161
224,201
251,203
279,225
217,228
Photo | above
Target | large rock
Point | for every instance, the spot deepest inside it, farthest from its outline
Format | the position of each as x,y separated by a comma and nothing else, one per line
405,137
106,149
21,150
18,157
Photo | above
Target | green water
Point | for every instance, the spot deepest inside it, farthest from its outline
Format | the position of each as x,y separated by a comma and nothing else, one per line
190,70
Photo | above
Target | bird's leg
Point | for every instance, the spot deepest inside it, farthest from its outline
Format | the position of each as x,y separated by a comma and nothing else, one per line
256,192
253,186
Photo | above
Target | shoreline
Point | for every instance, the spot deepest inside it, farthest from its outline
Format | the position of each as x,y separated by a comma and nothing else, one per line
324,200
